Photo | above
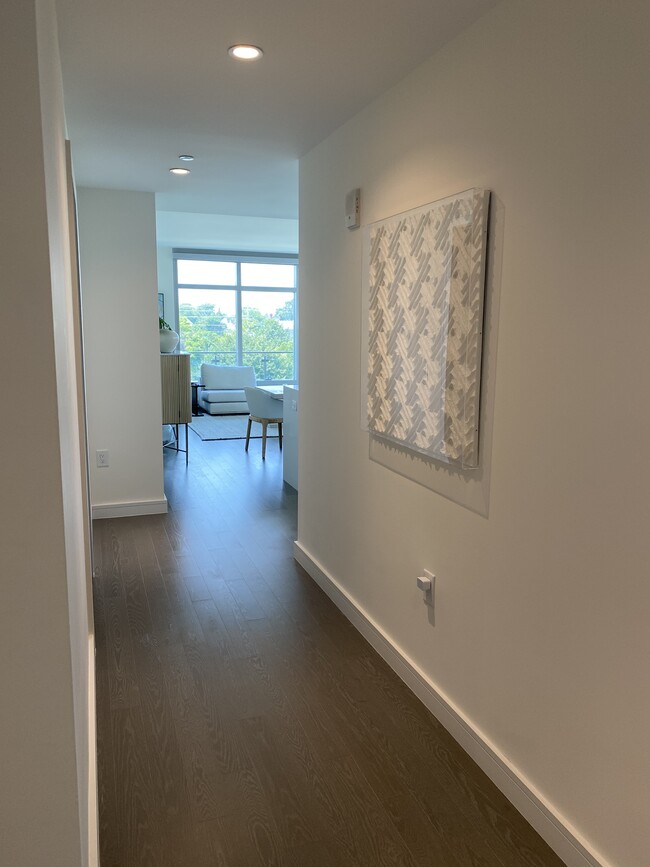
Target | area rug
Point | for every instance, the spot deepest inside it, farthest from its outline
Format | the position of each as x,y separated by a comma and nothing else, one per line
227,427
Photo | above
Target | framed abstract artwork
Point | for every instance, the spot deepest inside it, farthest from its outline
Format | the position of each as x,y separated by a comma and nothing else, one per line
423,326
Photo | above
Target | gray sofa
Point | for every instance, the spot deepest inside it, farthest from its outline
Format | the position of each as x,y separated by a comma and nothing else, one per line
222,389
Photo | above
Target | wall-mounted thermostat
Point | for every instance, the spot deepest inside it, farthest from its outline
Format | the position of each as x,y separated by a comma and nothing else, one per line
353,209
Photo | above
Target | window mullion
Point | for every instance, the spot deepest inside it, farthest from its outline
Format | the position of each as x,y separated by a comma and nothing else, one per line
240,329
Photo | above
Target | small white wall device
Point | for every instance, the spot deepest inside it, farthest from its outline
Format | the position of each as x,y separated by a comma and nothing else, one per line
427,584
353,209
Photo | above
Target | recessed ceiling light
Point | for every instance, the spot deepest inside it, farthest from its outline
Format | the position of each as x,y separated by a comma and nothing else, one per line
185,158
245,52
179,171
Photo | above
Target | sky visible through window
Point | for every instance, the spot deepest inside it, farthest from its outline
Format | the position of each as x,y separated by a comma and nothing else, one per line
225,299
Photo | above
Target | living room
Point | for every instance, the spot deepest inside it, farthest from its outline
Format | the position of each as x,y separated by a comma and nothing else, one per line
127,260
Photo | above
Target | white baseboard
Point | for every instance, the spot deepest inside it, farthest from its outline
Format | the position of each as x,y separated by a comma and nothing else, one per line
130,509
545,819
93,797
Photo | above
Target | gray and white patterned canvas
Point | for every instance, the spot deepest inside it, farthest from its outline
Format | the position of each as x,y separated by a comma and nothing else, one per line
426,274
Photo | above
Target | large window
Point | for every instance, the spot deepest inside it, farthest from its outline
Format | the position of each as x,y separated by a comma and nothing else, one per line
236,309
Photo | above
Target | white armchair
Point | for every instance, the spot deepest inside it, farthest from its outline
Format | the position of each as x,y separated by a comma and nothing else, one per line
266,410
222,391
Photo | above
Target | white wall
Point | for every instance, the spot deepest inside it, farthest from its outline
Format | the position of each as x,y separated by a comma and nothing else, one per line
165,262
541,636
117,240
46,748
188,231
227,232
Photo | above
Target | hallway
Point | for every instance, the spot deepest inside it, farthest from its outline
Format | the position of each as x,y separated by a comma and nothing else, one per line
243,721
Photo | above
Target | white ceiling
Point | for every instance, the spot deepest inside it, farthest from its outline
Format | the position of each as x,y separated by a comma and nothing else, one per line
146,80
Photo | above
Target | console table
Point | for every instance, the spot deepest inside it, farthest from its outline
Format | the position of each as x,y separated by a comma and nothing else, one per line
176,395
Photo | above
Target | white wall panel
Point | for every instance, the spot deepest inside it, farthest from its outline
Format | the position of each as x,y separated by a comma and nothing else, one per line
540,636
117,239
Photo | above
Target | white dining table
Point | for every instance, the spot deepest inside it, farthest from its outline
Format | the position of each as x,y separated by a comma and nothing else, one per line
276,391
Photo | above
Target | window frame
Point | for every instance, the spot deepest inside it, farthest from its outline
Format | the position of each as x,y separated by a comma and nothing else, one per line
239,258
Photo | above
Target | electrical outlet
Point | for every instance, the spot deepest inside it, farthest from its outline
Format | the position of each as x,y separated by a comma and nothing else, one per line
102,457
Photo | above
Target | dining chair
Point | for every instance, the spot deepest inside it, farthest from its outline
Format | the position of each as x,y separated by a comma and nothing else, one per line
266,410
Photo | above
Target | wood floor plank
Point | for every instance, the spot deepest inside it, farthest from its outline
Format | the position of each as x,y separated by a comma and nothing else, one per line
296,820
245,600
242,720
290,732
457,777
421,833
240,635
163,745
197,587
123,681
166,629
216,687
323,853
368,834
214,630
211,792
139,829
307,707
106,785
181,609
231,842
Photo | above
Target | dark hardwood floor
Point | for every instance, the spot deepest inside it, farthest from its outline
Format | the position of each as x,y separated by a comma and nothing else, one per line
242,720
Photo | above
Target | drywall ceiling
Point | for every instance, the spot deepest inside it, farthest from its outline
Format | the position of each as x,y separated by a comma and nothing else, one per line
146,80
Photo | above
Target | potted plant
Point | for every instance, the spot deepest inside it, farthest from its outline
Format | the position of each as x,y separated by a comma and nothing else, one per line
168,337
